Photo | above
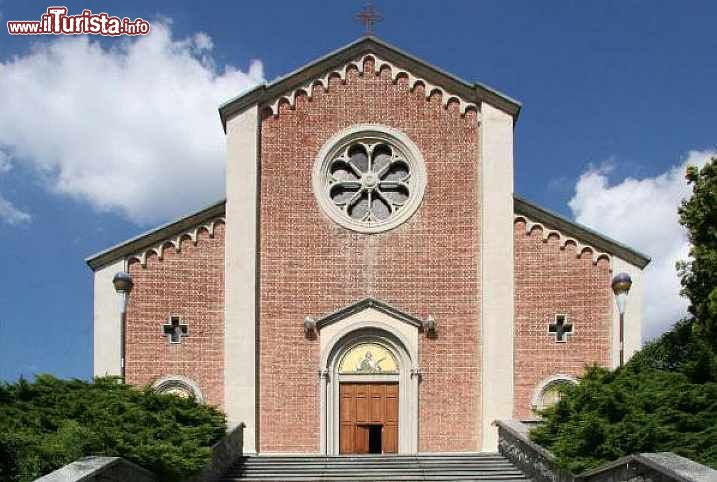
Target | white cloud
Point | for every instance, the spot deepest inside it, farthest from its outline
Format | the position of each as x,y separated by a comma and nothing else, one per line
131,128
5,165
642,213
11,215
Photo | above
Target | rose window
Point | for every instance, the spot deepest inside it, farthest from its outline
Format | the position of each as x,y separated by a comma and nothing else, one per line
370,182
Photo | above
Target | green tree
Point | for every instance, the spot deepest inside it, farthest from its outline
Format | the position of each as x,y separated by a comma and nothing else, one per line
50,422
699,275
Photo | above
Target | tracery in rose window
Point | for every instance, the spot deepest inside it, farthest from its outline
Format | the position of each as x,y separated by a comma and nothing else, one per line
368,181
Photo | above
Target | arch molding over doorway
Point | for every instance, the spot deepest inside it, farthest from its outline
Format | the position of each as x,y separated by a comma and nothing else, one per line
398,335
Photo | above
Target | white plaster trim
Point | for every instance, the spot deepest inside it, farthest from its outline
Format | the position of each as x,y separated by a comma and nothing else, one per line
497,273
170,381
176,241
374,131
240,275
563,240
379,64
369,326
107,325
545,384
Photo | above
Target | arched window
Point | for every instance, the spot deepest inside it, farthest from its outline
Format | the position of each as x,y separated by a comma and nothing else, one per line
548,391
179,386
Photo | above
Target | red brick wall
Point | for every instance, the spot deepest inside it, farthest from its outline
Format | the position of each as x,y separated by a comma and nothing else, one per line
189,284
310,266
550,281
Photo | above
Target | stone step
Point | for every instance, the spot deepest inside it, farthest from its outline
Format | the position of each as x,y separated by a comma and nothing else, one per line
491,463
329,469
271,460
384,460
482,467
477,475
289,468
372,463
468,475
447,455
379,477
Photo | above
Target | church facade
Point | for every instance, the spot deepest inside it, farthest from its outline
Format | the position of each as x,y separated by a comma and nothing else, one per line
371,283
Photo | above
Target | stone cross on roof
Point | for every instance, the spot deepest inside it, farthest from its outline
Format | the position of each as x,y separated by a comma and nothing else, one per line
369,16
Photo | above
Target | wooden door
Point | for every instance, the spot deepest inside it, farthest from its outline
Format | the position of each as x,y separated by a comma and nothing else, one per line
347,416
390,422
364,407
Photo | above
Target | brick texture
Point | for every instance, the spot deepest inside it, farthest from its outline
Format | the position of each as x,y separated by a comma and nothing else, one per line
549,281
310,266
190,284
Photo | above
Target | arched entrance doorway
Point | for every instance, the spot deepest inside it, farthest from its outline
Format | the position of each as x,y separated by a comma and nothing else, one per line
369,394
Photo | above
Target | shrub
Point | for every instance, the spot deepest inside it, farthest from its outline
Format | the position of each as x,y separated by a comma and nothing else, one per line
664,399
50,422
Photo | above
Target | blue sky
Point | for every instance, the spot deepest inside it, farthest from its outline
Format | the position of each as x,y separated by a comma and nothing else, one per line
617,97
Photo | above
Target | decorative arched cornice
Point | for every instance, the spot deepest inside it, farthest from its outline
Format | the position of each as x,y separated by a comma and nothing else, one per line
574,231
176,241
124,250
379,64
563,240
304,78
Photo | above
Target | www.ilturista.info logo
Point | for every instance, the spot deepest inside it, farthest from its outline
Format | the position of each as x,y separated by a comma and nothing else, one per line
56,22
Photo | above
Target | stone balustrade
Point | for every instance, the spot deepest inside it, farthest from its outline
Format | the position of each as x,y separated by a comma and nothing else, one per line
540,464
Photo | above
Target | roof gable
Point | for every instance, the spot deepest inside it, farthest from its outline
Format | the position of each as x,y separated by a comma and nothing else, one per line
316,72
155,238
364,304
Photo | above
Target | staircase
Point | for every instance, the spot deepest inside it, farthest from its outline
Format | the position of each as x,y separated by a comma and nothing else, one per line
483,467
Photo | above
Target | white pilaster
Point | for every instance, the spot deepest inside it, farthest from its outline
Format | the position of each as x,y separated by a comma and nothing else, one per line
240,315
497,270
107,329
633,313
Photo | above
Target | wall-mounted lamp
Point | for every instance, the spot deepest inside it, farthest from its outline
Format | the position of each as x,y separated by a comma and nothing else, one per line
429,326
310,329
122,282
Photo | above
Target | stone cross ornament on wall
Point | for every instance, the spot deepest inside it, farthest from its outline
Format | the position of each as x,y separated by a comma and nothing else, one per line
175,329
561,328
